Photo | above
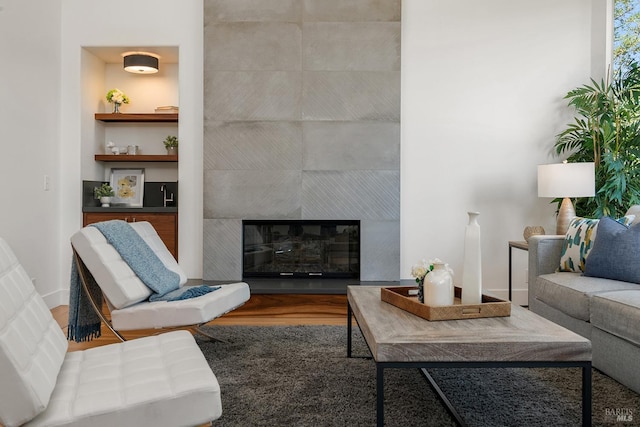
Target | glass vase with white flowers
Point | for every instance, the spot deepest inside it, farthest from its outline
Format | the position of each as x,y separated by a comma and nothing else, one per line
117,97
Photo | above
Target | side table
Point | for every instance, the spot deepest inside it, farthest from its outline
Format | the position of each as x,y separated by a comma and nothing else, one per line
518,244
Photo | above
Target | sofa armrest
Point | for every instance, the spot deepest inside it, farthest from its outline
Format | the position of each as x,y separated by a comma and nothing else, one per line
544,258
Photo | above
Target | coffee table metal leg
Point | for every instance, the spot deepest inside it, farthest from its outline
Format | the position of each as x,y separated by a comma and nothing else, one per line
380,394
586,395
443,398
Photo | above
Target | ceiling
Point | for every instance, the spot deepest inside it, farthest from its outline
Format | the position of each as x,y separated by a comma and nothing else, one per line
113,54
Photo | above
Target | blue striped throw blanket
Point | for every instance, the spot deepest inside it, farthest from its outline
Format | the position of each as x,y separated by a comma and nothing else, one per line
145,263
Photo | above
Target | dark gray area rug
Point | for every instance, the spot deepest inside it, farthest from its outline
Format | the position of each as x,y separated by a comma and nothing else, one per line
300,376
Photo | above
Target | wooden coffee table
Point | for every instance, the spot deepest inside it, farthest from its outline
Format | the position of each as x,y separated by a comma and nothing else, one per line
399,339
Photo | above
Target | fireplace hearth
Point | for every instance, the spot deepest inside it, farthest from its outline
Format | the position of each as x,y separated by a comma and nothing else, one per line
295,249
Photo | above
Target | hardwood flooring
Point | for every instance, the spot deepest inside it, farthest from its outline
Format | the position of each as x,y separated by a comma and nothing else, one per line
260,310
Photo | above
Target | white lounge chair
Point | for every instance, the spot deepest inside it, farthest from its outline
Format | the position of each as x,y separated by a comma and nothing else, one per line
127,297
162,380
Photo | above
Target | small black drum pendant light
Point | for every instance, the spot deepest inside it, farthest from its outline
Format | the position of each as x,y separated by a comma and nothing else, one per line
140,62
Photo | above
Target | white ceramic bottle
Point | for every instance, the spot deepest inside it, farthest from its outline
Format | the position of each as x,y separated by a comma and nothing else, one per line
472,266
438,286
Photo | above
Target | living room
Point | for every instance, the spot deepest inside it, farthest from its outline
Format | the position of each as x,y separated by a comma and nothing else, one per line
482,86
477,107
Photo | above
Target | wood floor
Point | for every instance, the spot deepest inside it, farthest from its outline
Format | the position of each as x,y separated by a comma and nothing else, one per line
260,310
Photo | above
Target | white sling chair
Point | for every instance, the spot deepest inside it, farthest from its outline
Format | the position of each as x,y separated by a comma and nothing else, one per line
126,296
162,380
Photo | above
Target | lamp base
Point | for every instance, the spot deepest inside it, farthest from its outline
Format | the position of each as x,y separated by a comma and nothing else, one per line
565,215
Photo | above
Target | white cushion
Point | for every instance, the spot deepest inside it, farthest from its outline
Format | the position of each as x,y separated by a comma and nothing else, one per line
118,282
157,380
32,345
163,314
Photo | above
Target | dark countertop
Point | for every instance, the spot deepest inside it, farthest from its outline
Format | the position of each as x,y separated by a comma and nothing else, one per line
154,209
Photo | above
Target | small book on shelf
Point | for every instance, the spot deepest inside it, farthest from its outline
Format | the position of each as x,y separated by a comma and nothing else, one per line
172,109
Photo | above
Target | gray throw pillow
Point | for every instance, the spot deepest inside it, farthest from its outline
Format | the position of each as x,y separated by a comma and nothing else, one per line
615,253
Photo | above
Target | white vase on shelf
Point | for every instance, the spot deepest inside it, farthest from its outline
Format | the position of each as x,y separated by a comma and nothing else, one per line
105,201
472,264
438,286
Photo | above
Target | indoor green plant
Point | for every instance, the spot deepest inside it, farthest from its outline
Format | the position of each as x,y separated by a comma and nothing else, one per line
171,144
606,131
105,190
104,193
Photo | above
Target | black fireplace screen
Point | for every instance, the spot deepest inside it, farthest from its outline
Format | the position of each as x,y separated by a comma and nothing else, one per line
302,248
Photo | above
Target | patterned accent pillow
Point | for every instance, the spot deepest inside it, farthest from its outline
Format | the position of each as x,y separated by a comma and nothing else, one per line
579,240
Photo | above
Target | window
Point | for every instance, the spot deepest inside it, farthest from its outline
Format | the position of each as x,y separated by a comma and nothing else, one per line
626,34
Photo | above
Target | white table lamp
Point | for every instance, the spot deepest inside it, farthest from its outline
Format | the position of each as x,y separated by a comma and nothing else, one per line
566,180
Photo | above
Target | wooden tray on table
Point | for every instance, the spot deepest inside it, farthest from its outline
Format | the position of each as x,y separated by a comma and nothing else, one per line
489,307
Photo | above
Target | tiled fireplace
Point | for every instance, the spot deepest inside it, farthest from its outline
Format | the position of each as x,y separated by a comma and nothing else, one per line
302,122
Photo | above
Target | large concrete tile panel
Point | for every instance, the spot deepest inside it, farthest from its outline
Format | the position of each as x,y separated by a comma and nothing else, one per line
253,46
362,46
252,145
252,10
222,249
352,10
380,250
351,95
351,145
252,194
371,195
252,95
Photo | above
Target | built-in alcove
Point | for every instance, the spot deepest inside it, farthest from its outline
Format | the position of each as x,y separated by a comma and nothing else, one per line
102,70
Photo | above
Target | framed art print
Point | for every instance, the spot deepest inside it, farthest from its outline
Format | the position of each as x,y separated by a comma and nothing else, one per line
128,186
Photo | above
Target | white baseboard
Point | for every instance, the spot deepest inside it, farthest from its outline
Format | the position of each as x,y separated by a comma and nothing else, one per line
57,298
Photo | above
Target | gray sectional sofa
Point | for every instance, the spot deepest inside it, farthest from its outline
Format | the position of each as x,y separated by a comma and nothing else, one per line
603,310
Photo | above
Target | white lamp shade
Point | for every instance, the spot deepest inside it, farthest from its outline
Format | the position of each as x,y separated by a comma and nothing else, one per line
567,180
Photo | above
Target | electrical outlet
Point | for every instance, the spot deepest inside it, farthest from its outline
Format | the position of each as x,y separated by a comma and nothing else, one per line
46,183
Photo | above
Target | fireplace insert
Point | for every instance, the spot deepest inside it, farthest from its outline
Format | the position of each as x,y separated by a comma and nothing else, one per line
301,248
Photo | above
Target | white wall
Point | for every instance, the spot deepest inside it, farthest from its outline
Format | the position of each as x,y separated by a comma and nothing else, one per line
140,23
483,83
29,133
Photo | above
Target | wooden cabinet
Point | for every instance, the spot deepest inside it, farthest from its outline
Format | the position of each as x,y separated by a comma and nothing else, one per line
166,224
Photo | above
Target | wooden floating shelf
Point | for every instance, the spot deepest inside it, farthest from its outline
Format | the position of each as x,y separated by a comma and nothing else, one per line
135,158
137,117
